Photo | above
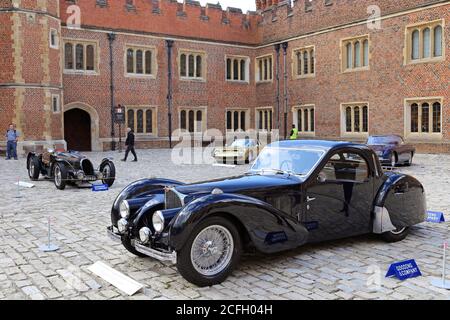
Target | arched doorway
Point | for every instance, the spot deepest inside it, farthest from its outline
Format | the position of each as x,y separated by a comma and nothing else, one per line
77,130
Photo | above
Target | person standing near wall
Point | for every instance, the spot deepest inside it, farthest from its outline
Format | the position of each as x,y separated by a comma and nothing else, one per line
130,145
294,133
12,137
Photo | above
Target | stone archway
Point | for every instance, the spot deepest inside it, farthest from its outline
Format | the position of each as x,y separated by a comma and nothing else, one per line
80,118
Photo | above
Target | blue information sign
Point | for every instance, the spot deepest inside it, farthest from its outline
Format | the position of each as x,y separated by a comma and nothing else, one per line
100,187
404,270
435,217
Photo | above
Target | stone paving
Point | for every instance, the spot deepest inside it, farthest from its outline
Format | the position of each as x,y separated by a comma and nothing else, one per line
345,269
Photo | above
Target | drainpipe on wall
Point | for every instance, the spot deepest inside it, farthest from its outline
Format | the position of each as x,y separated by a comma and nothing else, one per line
169,46
111,38
277,49
286,101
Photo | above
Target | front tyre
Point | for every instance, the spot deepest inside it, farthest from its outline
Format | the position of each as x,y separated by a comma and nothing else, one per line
60,176
393,160
109,173
126,242
211,252
395,235
34,168
410,159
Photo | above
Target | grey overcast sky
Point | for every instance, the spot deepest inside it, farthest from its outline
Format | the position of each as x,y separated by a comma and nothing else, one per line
245,5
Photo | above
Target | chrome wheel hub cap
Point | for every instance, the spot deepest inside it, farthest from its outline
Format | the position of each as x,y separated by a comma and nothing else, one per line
106,172
212,250
58,176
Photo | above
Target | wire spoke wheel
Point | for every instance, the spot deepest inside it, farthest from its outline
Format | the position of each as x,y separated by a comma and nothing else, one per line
212,250
58,177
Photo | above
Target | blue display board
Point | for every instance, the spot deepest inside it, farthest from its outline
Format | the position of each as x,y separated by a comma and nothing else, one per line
100,187
404,270
435,217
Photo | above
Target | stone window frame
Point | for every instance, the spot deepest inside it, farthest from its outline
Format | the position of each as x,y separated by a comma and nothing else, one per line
58,99
257,118
309,107
423,136
144,108
53,32
295,51
203,109
354,134
247,119
344,57
269,71
144,49
421,26
247,68
196,53
85,43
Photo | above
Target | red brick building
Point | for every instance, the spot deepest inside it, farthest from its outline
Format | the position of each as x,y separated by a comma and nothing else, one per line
338,69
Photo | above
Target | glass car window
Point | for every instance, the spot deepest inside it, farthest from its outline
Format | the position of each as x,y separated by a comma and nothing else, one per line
297,161
346,166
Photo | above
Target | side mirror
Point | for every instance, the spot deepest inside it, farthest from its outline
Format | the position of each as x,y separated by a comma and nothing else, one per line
322,177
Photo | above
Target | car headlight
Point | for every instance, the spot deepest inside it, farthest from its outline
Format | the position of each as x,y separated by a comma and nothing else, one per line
124,209
144,235
122,226
158,221
80,175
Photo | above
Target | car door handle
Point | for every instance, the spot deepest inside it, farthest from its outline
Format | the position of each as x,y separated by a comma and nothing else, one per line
309,199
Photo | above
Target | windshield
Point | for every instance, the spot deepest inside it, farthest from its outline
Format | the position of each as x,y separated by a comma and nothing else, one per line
290,161
242,143
382,140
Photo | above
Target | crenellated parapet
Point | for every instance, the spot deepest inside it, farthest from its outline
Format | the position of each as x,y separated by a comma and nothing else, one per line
283,19
169,17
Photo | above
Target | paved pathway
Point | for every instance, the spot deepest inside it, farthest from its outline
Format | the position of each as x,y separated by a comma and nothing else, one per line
333,270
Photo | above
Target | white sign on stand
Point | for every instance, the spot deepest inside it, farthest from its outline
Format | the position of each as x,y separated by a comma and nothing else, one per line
442,282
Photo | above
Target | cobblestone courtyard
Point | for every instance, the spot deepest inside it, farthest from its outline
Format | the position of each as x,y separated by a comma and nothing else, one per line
344,269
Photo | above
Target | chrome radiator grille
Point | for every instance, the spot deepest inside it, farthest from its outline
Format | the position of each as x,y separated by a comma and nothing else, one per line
172,199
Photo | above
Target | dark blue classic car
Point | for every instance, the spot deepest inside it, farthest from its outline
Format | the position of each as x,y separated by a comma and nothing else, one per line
392,149
296,192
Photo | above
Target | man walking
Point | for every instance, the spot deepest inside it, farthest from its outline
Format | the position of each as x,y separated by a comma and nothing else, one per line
130,145
12,136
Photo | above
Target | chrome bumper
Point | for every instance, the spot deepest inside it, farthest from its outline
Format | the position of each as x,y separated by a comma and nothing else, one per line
155,254
113,236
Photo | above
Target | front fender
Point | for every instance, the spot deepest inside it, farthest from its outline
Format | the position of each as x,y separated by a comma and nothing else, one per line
269,229
104,162
144,188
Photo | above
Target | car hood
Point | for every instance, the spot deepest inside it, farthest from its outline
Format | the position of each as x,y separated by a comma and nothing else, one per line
230,149
244,184
70,156
380,147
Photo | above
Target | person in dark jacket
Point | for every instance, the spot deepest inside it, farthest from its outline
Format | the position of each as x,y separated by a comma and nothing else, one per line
130,145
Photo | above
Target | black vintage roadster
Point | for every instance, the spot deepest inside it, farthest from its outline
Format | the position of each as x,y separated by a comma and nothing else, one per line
68,167
296,192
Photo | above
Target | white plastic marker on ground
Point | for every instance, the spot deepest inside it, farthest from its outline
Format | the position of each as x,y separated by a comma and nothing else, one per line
116,278
224,165
24,184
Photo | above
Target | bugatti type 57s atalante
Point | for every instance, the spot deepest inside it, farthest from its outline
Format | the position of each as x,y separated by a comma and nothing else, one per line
296,192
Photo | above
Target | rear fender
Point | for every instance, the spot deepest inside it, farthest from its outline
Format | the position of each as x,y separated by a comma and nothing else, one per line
401,200
269,229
